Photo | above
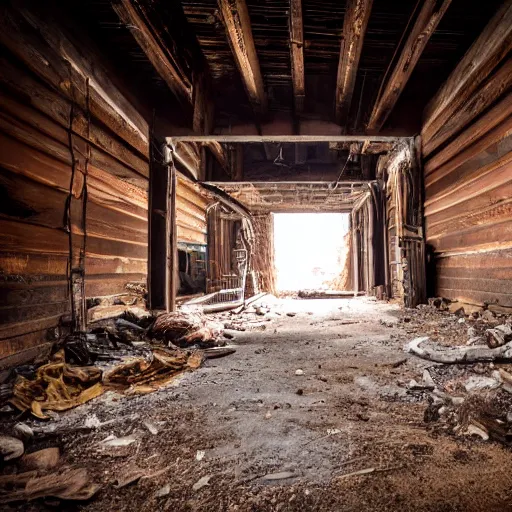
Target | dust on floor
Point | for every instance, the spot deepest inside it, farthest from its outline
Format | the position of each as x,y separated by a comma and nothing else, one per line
284,423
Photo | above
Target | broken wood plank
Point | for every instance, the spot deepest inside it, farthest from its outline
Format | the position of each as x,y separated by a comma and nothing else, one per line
356,18
491,47
237,23
426,23
297,54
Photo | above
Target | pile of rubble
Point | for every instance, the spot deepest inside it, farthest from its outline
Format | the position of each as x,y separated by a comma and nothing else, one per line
469,385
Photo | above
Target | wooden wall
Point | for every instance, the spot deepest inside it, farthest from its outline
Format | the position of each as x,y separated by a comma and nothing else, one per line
190,212
73,175
467,148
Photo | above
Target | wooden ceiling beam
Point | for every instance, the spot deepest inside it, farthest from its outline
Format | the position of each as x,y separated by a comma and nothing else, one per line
426,23
162,60
355,22
188,77
297,54
235,16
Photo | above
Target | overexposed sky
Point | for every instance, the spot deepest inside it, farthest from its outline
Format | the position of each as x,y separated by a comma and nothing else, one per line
308,247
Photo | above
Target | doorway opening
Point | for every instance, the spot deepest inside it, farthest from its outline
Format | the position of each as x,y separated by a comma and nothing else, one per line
311,250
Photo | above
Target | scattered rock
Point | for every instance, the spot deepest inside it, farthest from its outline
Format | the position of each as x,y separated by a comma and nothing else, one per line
283,475
202,482
200,455
488,316
23,431
299,392
42,459
11,448
119,441
291,313
163,491
151,427
299,372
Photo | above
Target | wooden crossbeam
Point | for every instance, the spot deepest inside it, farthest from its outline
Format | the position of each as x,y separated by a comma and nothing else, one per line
235,16
297,54
162,60
425,25
354,29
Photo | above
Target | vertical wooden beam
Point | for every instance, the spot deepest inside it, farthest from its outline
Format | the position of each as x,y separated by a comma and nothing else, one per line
171,241
237,23
426,23
355,22
297,54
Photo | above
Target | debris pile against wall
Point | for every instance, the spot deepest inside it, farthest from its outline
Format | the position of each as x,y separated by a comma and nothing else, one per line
469,386
467,147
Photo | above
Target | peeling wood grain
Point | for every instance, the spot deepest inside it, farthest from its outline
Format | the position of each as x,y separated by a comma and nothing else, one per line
426,23
477,64
297,54
237,23
356,18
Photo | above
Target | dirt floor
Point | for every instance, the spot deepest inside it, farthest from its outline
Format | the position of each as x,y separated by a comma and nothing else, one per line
321,392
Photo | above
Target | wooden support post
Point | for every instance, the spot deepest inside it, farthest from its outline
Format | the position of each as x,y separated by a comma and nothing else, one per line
355,254
426,23
355,22
172,277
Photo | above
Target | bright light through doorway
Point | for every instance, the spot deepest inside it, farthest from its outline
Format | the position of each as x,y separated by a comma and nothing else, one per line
310,249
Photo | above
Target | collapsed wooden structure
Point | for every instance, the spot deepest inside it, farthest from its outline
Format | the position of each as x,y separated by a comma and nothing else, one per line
132,130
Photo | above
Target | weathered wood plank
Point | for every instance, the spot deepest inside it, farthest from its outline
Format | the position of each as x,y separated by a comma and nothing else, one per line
486,209
356,18
487,237
237,23
426,23
110,284
38,99
500,112
493,136
42,45
497,85
487,184
297,54
489,161
480,60
476,297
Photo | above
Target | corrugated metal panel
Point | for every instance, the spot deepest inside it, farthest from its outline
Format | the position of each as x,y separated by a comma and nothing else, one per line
468,207
190,212
43,124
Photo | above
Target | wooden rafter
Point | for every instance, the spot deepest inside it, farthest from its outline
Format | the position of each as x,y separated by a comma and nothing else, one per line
425,25
235,16
161,59
355,22
188,80
297,54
